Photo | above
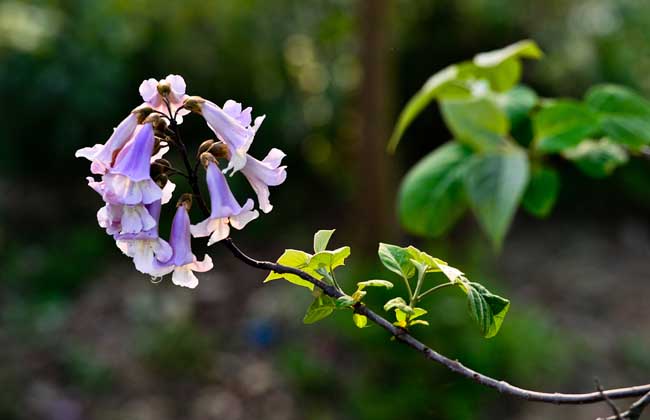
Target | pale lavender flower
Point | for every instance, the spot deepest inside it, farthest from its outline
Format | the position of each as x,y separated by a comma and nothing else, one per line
231,124
129,181
122,219
183,262
225,210
102,155
146,248
151,95
263,174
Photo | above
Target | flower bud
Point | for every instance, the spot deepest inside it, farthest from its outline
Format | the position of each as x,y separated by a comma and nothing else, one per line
161,180
154,119
185,200
164,88
206,158
159,126
219,150
142,112
193,103
204,147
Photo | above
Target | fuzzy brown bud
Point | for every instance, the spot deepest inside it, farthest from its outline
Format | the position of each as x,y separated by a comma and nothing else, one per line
193,103
206,158
161,180
185,200
204,147
219,150
142,112
164,88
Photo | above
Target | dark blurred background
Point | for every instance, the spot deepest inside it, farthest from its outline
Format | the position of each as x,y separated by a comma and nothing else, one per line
84,336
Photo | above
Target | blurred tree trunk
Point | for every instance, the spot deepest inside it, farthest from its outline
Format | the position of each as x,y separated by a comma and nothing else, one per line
375,189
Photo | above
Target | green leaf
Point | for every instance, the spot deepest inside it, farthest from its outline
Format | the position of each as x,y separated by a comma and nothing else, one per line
562,125
625,115
396,259
329,259
523,49
431,198
398,303
361,321
345,301
419,322
296,259
439,82
418,312
542,191
422,257
320,308
495,184
477,122
487,309
453,274
374,283
597,158
502,67
321,239
518,103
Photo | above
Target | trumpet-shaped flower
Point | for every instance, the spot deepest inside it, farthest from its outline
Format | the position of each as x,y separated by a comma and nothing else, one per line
102,155
225,210
146,248
231,124
129,181
183,262
150,90
265,173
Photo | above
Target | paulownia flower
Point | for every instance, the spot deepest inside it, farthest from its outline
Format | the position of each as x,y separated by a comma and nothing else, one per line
174,86
102,156
183,262
225,210
146,248
129,181
120,219
231,124
263,174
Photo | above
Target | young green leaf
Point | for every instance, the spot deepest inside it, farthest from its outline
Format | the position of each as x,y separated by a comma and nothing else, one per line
563,124
296,259
487,309
502,67
396,259
422,257
345,301
495,184
477,122
330,259
432,198
361,321
374,283
440,81
321,239
597,159
625,115
320,308
542,191
398,303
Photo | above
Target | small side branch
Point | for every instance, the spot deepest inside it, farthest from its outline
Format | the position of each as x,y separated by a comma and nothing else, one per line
453,365
635,410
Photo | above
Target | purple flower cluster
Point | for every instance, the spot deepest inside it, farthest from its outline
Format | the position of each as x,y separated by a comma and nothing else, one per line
131,176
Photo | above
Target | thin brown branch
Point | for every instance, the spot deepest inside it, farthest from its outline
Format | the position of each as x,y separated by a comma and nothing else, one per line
453,365
610,403
635,410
